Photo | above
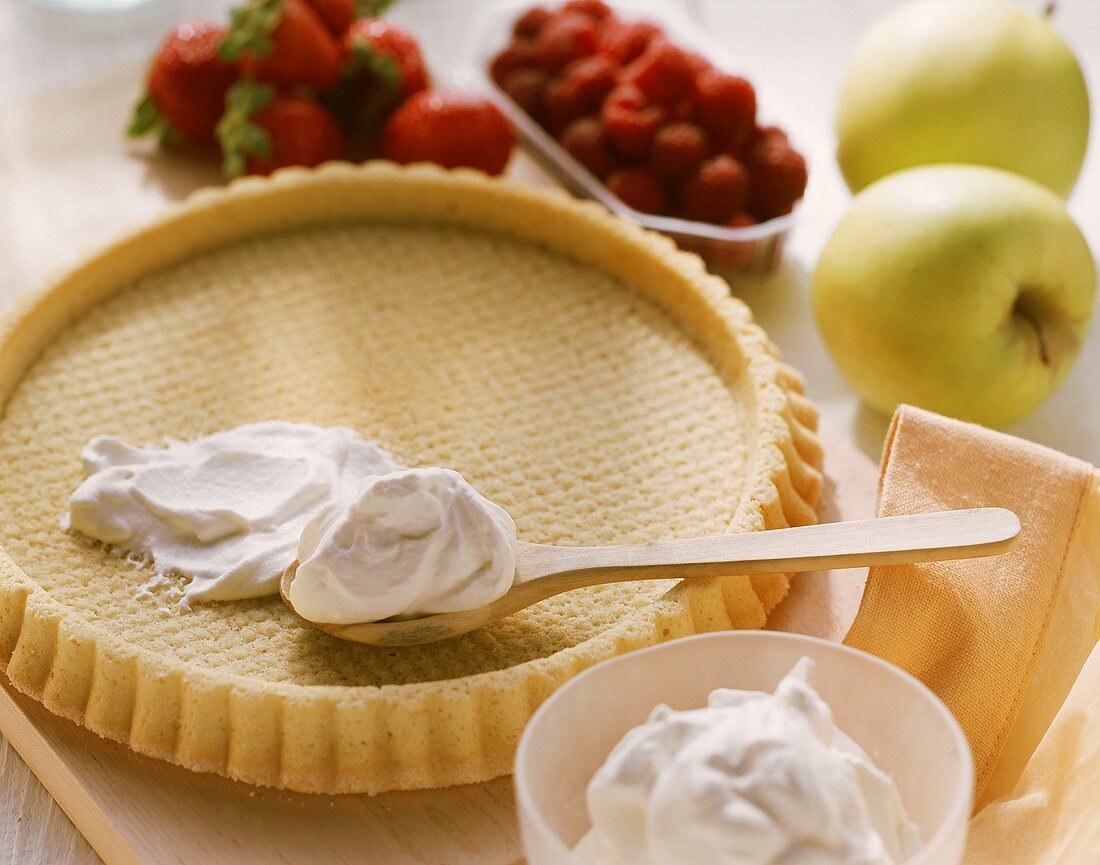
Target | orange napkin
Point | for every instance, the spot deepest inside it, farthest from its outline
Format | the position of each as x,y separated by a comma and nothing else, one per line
1009,643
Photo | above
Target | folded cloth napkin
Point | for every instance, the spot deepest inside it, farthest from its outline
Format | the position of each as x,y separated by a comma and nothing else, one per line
1009,642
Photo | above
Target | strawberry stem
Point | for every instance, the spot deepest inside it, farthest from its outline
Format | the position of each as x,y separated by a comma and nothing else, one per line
146,117
383,68
371,8
370,88
250,28
239,136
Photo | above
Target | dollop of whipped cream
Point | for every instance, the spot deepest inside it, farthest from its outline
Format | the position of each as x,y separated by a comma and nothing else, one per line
226,509
404,544
751,779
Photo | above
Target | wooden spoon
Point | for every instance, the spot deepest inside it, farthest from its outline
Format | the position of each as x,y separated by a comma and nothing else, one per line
543,571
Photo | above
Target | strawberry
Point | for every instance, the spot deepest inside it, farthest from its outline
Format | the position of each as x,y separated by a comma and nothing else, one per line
624,41
186,85
284,42
677,150
725,106
631,120
384,66
663,72
565,38
584,139
717,190
263,130
337,14
638,188
449,128
390,52
779,176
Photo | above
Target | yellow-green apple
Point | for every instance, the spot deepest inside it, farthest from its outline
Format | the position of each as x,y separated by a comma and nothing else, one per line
980,82
959,288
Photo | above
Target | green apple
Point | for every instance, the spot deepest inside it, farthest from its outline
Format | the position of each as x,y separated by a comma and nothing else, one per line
962,289
979,82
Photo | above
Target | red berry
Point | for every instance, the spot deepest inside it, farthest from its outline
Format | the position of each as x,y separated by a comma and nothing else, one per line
584,139
302,133
337,14
580,90
725,107
768,134
663,73
527,87
564,39
631,120
682,110
449,128
263,130
677,150
519,54
529,24
398,45
187,82
626,41
779,177
594,9
638,188
301,51
698,63
717,190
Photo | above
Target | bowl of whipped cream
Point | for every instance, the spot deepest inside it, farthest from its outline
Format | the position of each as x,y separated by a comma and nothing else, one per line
744,748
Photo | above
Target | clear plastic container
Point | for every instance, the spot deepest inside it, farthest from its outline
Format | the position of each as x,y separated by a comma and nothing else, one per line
902,725
756,248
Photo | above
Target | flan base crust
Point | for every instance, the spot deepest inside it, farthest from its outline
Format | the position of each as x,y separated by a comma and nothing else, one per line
646,404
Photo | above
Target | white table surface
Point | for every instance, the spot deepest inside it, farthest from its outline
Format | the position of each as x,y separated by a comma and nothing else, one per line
794,49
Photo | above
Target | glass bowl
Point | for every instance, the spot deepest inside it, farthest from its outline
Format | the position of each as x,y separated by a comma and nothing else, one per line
756,248
902,725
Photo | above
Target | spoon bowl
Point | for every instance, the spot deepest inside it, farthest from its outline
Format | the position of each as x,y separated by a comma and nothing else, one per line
543,571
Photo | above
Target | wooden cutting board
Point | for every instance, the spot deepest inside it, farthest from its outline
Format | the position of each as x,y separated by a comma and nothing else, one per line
138,811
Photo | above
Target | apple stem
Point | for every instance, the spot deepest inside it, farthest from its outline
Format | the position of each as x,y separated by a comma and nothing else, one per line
1049,8
1024,311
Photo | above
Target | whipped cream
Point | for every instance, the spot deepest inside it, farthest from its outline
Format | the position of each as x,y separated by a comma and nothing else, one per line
225,510
405,544
751,779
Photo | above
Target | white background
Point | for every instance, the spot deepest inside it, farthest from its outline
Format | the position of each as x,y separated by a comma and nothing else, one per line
793,49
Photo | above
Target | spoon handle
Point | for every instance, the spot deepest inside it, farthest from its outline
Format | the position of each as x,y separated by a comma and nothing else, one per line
959,534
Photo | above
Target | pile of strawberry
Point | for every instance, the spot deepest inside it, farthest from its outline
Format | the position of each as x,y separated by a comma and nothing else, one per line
301,82
666,131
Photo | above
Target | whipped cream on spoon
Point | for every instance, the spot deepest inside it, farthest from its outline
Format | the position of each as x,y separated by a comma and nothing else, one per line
542,571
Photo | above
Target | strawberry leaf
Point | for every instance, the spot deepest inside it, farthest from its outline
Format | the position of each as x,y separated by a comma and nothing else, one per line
146,117
372,8
248,96
363,59
250,28
239,136
370,89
